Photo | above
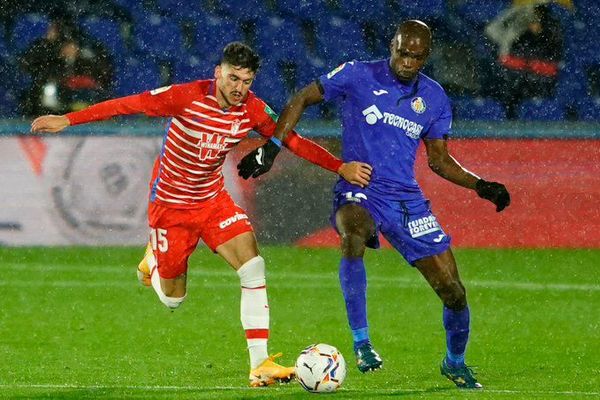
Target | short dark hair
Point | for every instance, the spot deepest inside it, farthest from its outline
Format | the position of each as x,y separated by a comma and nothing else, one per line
241,55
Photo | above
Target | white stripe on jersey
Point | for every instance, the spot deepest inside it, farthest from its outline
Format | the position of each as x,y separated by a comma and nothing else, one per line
217,109
178,196
196,187
193,171
194,155
223,121
205,178
227,131
204,130
158,196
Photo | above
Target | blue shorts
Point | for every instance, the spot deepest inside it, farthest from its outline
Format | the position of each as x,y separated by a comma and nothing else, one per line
409,225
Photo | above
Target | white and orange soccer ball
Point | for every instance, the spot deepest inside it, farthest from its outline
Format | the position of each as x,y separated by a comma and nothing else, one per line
320,368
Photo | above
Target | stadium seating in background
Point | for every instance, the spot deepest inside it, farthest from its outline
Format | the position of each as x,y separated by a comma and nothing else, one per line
426,10
588,109
478,108
10,88
270,84
542,110
340,40
107,32
279,40
364,11
243,10
571,84
479,13
135,75
180,11
303,9
28,28
190,67
159,37
212,33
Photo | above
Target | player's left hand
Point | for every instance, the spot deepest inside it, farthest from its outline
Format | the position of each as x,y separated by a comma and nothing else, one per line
258,161
357,173
49,124
494,192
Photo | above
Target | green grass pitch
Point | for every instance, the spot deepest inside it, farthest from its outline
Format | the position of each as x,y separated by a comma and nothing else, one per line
75,324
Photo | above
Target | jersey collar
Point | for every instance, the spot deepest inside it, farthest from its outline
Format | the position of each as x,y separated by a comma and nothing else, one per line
408,88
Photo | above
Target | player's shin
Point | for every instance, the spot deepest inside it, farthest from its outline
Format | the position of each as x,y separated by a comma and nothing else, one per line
456,324
353,279
171,302
254,309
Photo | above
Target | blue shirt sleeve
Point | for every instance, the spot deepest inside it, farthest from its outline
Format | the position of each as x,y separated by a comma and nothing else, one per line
442,126
337,82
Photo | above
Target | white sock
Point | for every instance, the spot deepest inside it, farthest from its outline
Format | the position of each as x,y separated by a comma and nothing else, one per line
254,309
171,302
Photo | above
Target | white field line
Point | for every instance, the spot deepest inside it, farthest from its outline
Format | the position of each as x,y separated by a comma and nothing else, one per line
276,279
244,388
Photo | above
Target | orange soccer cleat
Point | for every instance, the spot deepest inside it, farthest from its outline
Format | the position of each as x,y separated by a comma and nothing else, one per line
269,373
145,266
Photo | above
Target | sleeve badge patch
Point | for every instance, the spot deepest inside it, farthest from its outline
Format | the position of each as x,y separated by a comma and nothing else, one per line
335,71
160,90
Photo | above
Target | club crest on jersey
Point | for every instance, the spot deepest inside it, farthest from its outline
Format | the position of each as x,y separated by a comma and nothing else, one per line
210,144
418,105
235,126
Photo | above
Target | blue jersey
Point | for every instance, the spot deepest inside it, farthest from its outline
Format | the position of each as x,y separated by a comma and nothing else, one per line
383,120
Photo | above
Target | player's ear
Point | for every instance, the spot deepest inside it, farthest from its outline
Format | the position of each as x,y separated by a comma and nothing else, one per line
218,71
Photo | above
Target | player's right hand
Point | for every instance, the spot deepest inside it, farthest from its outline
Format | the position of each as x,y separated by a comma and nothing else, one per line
357,173
494,192
49,124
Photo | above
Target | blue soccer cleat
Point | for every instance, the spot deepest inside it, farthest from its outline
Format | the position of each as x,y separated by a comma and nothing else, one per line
367,358
463,376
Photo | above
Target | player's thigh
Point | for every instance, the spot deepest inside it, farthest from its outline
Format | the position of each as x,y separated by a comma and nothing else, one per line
239,250
441,273
173,240
228,232
440,269
351,219
413,230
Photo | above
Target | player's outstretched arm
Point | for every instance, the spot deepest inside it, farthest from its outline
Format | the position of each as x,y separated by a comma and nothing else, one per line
357,173
260,160
443,164
49,124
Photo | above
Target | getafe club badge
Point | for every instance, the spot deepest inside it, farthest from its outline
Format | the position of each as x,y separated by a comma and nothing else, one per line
418,105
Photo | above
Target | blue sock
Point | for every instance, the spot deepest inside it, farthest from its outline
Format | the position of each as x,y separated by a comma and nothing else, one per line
457,335
353,279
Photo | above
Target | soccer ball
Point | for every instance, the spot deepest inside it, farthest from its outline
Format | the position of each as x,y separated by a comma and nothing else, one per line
320,368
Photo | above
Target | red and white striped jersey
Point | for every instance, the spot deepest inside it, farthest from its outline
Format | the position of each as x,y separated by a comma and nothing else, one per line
188,170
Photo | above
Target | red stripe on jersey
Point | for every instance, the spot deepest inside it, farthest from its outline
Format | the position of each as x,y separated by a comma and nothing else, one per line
257,333
200,136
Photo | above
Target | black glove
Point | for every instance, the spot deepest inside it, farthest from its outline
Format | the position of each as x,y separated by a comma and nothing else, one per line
494,192
258,161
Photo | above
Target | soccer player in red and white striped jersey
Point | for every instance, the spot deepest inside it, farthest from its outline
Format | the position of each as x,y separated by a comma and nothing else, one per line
188,201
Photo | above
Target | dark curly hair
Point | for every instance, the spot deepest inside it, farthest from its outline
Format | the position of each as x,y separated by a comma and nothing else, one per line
241,55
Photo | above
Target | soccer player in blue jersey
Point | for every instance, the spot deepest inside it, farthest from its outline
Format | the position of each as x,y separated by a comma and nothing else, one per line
387,107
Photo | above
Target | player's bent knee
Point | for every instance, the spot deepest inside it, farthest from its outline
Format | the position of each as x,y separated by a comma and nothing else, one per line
353,244
252,273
